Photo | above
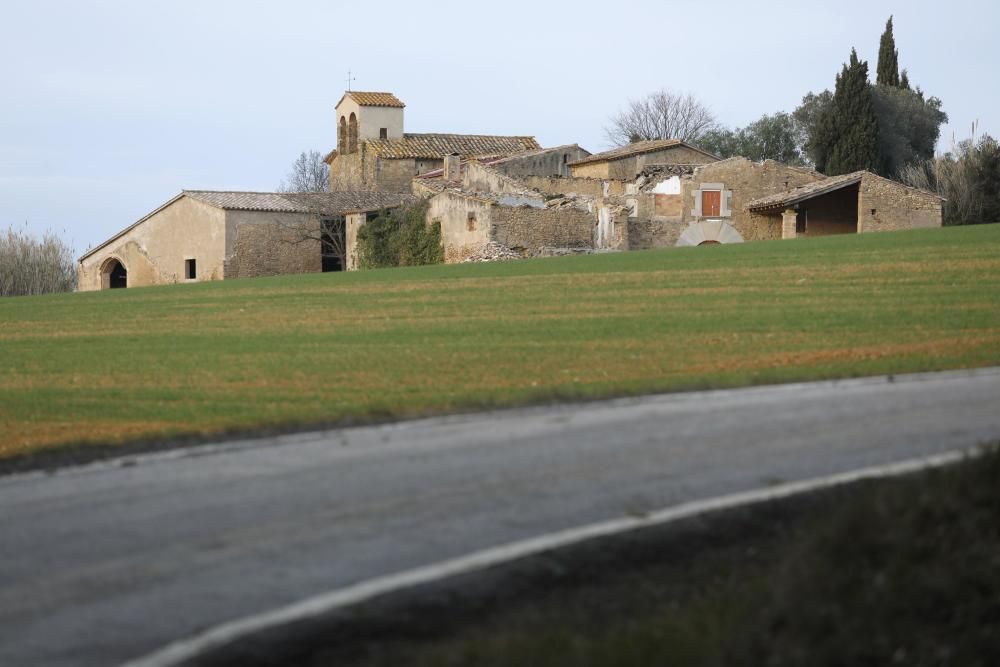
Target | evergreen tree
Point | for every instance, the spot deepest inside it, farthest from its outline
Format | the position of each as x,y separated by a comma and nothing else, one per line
848,133
888,59
904,80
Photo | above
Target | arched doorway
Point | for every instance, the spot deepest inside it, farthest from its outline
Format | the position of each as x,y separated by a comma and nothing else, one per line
709,232
114,275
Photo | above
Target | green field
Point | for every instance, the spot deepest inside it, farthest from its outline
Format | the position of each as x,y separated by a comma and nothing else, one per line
326,348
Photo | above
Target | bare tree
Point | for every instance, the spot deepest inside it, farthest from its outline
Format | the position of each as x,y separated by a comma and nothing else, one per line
330,234
661,115
309,173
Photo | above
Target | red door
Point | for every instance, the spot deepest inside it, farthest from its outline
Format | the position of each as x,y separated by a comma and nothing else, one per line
711,201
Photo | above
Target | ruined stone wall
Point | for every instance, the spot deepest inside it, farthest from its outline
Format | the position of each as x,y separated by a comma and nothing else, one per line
545,163
586,187
529,230
153,252
628,168
480,178
885,205
270,244
465,223
645,233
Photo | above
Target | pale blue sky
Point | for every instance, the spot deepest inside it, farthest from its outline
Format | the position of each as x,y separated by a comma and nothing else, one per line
110,108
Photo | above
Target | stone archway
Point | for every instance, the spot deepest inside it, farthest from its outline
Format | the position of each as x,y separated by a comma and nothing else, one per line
114,275
710,232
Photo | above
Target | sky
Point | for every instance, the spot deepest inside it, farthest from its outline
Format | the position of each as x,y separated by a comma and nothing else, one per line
109,108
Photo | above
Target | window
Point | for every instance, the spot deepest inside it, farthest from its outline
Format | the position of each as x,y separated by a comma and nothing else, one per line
470,224
383,133
189,269
801,221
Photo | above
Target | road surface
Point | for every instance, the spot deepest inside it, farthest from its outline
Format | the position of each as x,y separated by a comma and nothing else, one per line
103,564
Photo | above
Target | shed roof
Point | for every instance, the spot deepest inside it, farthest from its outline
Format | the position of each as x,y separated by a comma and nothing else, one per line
639,148
808,191
438,145
373,99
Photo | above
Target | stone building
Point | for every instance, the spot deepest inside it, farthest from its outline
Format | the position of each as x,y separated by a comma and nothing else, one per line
210,235
666,205
627,162
374,153
853,203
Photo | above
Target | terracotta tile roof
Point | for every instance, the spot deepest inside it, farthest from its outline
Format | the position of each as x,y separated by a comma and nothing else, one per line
638,148
438,145
373,99
800,194
322,203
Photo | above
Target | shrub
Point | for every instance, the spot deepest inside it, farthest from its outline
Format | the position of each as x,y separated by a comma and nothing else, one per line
35,266
968,178
400,237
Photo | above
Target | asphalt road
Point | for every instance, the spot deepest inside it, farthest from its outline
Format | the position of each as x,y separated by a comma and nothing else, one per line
103,564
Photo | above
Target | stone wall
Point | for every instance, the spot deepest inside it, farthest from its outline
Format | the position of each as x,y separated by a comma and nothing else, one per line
530,230
628,168
270,244
646,233
481,178
747,181
885,205
352,223
393,175
154,250
550,162
465,223
347,173
586,187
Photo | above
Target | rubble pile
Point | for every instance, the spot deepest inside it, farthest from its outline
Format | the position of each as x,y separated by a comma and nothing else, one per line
492,252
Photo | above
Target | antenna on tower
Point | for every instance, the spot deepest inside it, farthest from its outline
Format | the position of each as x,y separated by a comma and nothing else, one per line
349,79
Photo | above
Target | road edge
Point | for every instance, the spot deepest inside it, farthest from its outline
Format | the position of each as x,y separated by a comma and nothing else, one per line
187,650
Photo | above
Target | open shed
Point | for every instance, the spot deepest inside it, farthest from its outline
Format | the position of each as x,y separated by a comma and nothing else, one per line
850,204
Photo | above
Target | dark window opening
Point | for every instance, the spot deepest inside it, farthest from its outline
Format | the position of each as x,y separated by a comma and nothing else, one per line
383,133
565,158
801,221
190,270
470,224
118,276
334,243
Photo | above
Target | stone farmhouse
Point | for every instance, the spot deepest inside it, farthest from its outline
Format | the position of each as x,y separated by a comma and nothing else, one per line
495,194
654,194
201,235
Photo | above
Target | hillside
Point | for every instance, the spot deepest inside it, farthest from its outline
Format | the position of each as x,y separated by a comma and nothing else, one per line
210,358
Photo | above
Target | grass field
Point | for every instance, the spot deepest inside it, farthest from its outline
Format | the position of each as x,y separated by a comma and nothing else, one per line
208,358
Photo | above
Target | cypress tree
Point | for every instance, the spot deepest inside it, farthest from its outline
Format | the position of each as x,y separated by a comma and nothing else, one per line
904,80
888,58
850,130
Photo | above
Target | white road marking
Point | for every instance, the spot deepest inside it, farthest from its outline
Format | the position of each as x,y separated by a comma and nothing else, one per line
188,649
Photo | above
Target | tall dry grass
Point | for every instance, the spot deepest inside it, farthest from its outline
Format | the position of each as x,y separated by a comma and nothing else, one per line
29,265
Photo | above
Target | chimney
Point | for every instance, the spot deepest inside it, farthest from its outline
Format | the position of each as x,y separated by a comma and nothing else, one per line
452,167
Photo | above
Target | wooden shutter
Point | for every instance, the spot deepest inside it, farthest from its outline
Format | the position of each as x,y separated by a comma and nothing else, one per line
711,203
